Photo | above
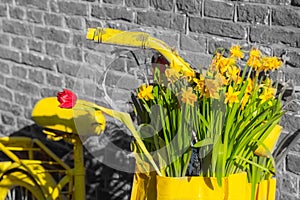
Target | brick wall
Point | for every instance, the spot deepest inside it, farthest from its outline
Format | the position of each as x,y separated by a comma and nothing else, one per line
43,47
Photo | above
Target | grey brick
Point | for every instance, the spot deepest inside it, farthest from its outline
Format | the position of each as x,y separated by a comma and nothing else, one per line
197,59
178,22
189,6
69,82
19,71
288,183
48,92
35,45
215,43
36,76
8,119
116,2
217,9
68,68
46,33
73,53
255,14
170,38
38,61
19,43
136,3
17,28
22,86
4,68
39,4
193,43
217,27
54,80
21,99
79,40
53,49
271,2
121,13
161,19
162,5
17,12
35,16
3,10
2,78
293,163
4,105
273,35
93,58
16,110
9,54
75,23
6,94
118,65
286,16
53,19
4,39
73,8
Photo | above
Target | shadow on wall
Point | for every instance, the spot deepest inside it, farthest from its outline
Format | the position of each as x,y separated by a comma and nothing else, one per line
107,163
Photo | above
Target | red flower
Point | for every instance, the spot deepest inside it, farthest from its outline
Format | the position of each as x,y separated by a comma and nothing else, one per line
66,98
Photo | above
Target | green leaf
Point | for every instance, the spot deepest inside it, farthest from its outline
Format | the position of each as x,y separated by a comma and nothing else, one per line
204,142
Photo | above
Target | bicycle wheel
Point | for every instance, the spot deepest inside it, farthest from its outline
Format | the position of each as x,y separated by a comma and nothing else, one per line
19,186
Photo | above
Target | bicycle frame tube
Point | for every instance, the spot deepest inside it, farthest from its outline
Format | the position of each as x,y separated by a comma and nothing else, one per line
79,172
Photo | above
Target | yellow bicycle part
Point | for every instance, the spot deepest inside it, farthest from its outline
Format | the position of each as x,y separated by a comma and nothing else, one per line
141,40
82,119
27,171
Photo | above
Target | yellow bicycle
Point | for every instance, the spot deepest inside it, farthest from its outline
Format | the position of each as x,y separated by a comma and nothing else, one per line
31,170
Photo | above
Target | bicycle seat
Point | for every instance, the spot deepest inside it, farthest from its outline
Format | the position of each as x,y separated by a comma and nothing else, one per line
82,119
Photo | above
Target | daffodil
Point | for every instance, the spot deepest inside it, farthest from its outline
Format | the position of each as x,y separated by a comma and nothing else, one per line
188,97
199,84
255,63
231,96
255,53
245,100
270,63
233,73
268,93
212,88
172,75
249,87
145,92
236,52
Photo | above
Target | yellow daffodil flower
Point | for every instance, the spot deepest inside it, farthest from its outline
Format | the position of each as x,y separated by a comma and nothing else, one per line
255,53
188,97
145,92
231,96
236,52
249,87
199,84
233,73
270,63
225,63
268,93
245,100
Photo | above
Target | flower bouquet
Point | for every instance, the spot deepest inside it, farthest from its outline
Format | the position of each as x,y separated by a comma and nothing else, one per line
205,134
225,117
